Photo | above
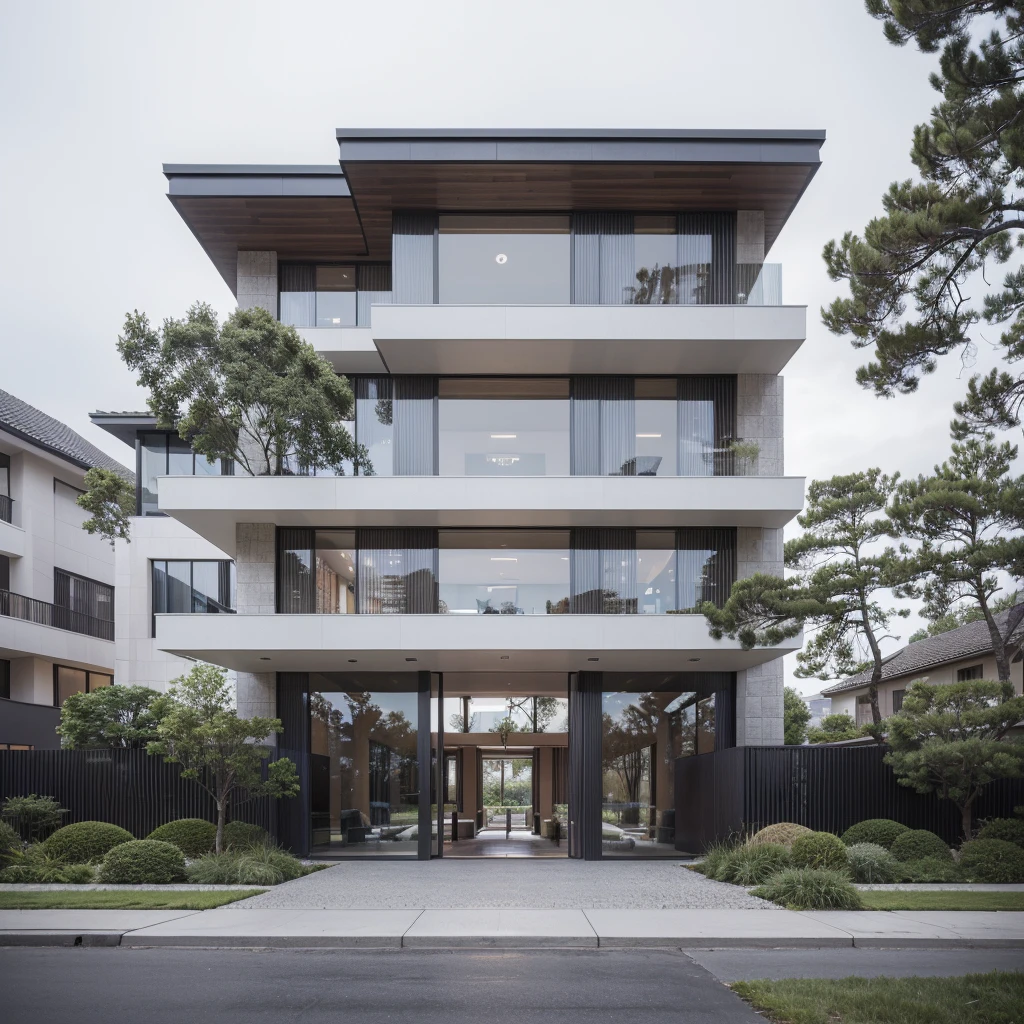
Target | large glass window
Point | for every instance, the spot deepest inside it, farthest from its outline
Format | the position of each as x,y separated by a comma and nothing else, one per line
335,296
67,681
166,454
656,571
190,587
655,421
6,514
706,564
316,571
364,778
375,424
656,258
503,259
495,572
503,427
397,571
328,295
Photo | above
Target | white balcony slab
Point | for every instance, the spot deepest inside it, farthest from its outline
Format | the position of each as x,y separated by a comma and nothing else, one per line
19,639
212,506
471,643
347,349
12,540
501,339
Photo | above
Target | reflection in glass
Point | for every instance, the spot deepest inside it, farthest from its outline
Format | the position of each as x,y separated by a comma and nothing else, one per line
335,572
364,785
706,565
187,587
335,296
503,427
656,571
655,423
398,571
656,256
492,572
503,259
375,424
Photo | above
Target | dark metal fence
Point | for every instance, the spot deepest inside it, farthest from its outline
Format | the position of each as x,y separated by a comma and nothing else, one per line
28,608
129,788
825,788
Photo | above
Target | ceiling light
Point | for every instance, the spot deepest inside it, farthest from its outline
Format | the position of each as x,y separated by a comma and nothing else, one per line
501,258
593,659
648,435
503,558
500,437
410,659
504,657
694,659
352,661
263,657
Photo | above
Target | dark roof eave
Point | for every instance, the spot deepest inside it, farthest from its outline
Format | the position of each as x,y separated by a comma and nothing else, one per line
726,134
73,460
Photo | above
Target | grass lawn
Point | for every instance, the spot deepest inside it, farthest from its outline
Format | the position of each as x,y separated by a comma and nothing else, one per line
995,998
880,899
122,899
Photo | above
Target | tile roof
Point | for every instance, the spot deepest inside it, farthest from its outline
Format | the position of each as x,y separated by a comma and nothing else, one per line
963,642
42,431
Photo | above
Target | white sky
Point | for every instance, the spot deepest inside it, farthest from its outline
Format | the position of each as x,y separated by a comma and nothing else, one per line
97,95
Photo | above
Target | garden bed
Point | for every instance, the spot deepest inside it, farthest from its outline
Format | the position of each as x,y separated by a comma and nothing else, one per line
123,899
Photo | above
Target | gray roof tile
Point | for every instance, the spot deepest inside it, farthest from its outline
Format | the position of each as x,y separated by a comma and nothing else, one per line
33,425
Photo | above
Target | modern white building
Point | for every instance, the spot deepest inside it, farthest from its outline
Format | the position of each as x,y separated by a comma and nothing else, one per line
56,580
566,351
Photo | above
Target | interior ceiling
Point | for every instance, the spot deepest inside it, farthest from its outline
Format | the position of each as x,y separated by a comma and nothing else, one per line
380,188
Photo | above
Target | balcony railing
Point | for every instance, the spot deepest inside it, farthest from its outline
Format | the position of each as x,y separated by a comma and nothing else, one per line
17,606
6,509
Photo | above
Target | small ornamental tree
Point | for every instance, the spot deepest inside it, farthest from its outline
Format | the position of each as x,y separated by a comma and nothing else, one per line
953,740
222,752
114,716
834,728
110,501
795,716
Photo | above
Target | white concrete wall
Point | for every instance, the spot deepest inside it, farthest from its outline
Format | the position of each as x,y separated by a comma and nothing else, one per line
32,680
137,659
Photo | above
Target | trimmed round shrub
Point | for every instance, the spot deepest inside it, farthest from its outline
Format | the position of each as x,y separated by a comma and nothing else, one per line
10,842
919,844
992,860
872,864
240,834
85,841
819,850
810,889
781,834
1010,830
930,869
880,831
143,862
193,836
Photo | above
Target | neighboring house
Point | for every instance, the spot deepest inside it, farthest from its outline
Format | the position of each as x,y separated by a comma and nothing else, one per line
555,340
819,706
962,653
56,581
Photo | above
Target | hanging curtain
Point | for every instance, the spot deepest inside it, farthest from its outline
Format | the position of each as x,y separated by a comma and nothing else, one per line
602,571
375,424
415,426
373,286
706,424
414,258
603,427
706,565
397,571
603,259
707,258
296,585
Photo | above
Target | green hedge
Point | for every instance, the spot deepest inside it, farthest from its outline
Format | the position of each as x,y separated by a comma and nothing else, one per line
1010,830
880,831
193,836
143,862
85,841
919,844
820,850
240,834
992,860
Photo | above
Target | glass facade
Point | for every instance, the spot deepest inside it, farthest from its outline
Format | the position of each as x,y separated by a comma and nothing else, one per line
166,454
330,295
193,587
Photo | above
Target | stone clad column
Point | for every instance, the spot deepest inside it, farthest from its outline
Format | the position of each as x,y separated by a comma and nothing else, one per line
759,419
257,281
256,692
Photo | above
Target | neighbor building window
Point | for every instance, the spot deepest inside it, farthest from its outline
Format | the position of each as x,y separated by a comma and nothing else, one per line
67,681
964,675
897,700
83,605
5,679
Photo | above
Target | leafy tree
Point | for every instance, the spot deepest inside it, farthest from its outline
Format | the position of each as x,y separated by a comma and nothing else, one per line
795,716
965,213
942,619
110,500
114,716
964,516
252,391
834,728
953,740
223,753
840,572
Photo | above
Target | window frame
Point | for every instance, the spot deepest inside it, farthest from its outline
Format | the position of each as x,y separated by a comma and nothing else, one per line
153,562
971,672
227,466
89,688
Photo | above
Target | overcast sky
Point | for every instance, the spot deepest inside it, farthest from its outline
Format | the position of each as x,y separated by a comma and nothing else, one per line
97,95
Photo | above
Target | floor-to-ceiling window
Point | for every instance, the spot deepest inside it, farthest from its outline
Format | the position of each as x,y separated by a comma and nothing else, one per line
166,454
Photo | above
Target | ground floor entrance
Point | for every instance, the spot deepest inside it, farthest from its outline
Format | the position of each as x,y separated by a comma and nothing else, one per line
475,765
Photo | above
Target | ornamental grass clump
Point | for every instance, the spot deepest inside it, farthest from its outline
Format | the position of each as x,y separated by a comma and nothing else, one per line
255,865
810,889
992,860
143,862
819,850
716,855
753,865
10,843
872,864
85,841
880,831
37,864
919,844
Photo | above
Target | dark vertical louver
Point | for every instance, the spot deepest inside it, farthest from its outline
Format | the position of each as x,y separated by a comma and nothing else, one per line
414,258
296,581
602,571
707,424
415,426
603,259
706,568
397,571
75,596
585,765
293,710
603,427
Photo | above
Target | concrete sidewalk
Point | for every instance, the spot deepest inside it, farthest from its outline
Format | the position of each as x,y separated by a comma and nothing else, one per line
489,927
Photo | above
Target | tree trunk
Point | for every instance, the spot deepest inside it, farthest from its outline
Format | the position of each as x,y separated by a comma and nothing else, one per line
966,818
221,808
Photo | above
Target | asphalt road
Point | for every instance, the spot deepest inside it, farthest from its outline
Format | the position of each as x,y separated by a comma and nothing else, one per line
179,986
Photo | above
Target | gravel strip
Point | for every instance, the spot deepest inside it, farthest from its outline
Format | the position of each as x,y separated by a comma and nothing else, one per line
505,882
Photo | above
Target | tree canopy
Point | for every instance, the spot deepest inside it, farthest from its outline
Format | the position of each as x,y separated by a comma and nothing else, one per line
251,390
110,501
795,716
113,716
963,216
833,728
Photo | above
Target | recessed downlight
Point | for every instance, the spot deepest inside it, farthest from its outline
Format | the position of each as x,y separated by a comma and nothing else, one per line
410,659
694,659
593,659
263,657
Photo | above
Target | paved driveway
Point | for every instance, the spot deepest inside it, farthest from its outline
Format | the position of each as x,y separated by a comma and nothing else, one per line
447,884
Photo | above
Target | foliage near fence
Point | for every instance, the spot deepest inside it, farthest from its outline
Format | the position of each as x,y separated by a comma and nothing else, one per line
828,789
129,788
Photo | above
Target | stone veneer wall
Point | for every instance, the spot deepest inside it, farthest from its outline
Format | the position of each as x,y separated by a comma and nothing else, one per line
256,692
759,690
257,281
759,419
